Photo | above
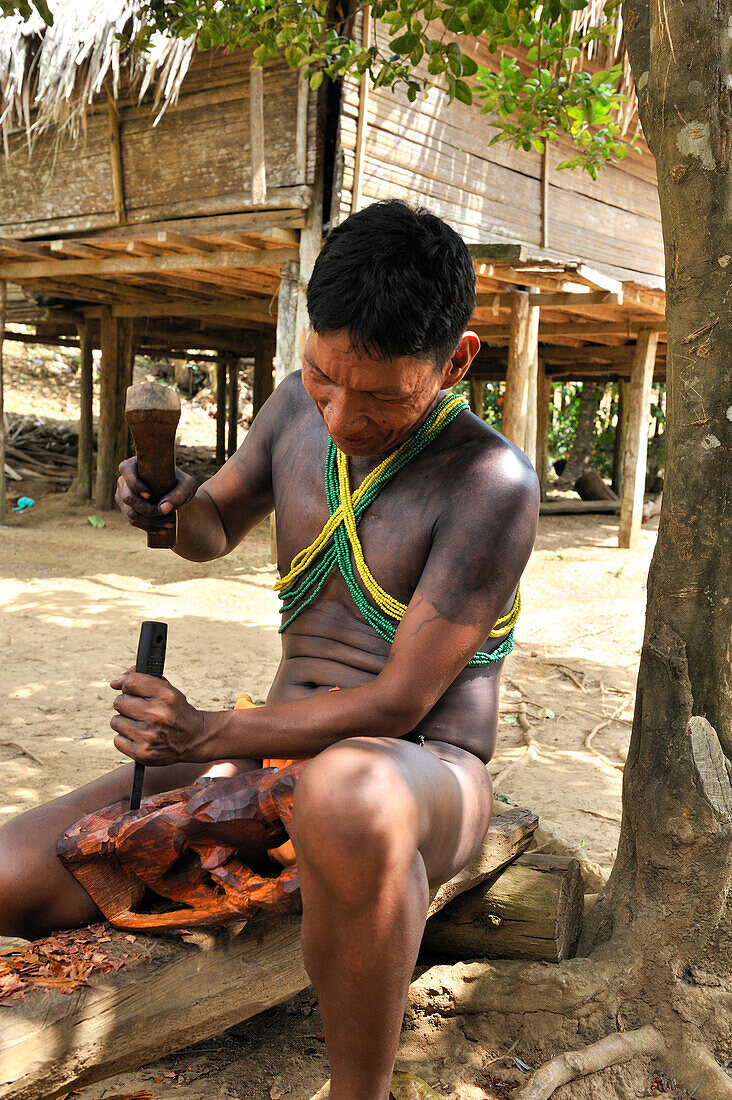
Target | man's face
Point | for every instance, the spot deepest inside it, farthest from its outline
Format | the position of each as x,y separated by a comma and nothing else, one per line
369,405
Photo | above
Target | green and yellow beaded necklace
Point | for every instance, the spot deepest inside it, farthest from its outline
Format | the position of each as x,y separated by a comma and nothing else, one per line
311,567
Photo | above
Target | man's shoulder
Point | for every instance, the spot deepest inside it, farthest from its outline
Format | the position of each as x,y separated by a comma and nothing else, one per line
487,453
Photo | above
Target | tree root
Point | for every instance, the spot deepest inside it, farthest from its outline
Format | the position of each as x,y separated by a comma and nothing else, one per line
531,750
696,1068
600,726
621,1046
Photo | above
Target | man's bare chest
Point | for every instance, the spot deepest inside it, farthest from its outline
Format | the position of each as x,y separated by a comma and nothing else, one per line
395,531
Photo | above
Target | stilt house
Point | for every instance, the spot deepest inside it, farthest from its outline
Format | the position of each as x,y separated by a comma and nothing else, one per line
176,202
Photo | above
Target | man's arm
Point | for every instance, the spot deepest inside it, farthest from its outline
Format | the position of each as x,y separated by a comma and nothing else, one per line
480,548
213,518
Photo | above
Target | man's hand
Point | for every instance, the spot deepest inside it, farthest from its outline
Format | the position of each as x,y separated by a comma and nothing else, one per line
133,498
155,724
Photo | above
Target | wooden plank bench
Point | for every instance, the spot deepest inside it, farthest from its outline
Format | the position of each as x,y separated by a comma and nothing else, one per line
176,993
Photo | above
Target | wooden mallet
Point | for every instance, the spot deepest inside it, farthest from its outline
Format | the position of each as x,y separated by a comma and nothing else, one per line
152,413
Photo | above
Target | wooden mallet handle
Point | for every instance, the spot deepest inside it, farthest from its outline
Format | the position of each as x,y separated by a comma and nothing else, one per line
152,413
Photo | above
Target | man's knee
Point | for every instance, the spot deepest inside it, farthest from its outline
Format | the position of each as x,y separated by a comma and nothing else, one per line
353,808
16,871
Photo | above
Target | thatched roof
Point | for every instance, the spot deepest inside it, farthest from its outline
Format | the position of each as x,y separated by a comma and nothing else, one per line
50,75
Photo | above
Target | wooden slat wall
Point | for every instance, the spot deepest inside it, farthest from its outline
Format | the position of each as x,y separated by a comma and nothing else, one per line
438,153
196,160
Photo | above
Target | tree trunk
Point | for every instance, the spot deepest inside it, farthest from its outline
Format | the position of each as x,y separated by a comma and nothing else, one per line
654,968
669,885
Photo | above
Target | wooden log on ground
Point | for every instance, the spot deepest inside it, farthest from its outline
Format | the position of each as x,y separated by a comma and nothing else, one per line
590,486
577,507
532,911
169,994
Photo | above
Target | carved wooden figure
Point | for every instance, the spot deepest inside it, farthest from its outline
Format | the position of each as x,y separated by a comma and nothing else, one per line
189,846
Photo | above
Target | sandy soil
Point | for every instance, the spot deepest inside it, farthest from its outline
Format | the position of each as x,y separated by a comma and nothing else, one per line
73,598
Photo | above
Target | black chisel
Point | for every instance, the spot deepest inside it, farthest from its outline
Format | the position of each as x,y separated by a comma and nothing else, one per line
151,661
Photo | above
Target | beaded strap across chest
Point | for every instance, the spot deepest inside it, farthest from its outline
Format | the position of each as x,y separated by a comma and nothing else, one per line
339,540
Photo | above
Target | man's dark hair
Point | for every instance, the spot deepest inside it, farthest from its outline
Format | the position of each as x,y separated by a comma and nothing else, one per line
398,279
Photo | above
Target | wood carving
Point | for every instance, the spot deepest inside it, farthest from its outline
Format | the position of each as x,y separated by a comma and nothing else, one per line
191,846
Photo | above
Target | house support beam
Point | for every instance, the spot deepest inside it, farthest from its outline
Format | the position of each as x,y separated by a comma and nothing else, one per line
233,407
636,447
543,412
263,371
220,409
621,435
256,135
83,483
523,359
116,347
476,397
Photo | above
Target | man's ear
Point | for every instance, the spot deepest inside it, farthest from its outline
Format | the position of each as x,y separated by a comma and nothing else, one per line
457,365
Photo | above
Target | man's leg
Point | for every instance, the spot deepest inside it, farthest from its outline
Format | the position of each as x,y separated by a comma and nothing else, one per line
37,894
377,823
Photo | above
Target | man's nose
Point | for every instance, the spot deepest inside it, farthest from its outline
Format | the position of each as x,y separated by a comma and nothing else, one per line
343,415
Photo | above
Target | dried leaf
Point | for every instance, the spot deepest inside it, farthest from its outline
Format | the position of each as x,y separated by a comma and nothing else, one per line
405,1086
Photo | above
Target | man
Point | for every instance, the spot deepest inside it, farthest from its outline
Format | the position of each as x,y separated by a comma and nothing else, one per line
397,797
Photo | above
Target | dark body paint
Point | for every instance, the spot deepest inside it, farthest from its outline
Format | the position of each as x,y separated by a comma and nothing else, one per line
329,644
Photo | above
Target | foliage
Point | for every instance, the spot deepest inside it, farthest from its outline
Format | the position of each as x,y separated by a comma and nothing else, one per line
531,101
563,421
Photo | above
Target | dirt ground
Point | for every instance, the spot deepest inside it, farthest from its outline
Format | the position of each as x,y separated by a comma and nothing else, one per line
73,597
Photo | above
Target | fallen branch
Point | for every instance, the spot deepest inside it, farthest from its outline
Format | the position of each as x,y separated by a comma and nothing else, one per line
571,676
26,752
613,1049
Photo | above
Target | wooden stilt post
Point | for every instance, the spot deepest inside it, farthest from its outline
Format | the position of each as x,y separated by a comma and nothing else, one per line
621,435
125,365
543,409
107,434
636,448
522,361
476,397
3,312
233,403
532,406
263,371
83,483
220,408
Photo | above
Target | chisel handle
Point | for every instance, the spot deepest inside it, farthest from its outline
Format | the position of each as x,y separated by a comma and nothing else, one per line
151,661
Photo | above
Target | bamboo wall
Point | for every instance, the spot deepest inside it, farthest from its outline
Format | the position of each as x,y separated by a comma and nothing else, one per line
438,154
195,161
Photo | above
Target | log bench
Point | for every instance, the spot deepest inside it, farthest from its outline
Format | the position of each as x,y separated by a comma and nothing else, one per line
170,991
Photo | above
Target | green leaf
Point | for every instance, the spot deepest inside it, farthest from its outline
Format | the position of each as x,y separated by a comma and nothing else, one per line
316,80
96,521
405,43
470,67
463,92
503,798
